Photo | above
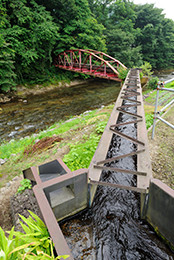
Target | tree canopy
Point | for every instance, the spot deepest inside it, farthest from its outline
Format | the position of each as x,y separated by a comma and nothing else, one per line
33,32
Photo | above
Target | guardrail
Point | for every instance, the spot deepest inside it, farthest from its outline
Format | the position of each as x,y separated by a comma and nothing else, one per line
156,112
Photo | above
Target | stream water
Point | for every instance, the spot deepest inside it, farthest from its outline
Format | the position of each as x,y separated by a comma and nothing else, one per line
21,118
37,112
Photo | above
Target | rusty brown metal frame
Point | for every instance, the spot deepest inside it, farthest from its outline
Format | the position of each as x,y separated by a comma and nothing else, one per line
118,186
55,232
120,170
131,91
115,158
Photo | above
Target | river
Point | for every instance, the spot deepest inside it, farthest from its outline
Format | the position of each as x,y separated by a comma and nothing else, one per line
23,117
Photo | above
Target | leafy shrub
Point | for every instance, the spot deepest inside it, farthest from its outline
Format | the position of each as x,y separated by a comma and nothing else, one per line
34,244
7,245
101,127
147,69
25,184
122,73
152,84
80,154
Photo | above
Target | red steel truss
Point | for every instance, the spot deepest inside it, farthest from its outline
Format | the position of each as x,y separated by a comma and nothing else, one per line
94,63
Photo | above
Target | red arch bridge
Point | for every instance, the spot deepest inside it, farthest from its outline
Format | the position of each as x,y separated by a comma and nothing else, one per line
94,63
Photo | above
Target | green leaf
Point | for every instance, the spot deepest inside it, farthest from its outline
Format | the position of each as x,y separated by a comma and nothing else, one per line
2,255
25,246
3,241
62,256
11,233
39,221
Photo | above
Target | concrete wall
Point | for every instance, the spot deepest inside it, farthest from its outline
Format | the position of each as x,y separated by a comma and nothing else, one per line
160,210
66,191
69,195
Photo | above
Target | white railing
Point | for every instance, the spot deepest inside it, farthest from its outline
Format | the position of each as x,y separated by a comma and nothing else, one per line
156,112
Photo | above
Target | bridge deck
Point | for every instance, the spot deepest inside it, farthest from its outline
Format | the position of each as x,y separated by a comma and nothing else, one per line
132,92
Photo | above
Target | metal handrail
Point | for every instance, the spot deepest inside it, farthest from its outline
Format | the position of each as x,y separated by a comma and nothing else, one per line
156,112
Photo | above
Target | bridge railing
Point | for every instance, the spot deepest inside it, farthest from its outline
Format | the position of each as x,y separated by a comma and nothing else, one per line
89,62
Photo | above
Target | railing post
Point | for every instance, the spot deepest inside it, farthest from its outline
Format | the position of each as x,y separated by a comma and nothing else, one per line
105,70
155,112
80,60
71,59
90,63
64,60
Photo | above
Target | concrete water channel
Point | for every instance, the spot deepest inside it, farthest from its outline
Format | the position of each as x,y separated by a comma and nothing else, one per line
112,226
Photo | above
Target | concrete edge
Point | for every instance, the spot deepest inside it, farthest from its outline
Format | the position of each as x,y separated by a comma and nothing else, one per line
159,211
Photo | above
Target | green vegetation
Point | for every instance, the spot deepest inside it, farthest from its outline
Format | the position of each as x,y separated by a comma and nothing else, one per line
122,73
149,120
17,147
147,69
81,152
164,97
152,83
136,33
81,133
33,32
25,184
34,243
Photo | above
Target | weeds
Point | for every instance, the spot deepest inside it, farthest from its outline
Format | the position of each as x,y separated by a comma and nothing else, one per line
35,243
25,184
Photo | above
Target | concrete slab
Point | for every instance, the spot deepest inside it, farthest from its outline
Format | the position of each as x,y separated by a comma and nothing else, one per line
160,210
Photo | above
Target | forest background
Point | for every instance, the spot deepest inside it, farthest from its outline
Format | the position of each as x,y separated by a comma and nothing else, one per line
33,32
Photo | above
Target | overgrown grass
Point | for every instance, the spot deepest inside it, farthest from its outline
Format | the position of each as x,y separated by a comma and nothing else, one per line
17,147
80,134
149,120
81,152
164,96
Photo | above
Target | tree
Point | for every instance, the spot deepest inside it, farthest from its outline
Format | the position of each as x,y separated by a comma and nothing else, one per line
157,36
121,34
7,75
78,28
32,35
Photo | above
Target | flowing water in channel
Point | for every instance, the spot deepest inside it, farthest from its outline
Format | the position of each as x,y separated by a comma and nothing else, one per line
112,229
21,118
